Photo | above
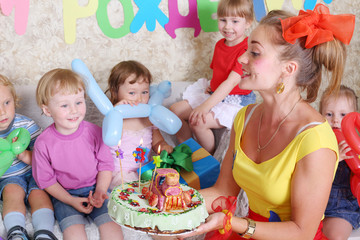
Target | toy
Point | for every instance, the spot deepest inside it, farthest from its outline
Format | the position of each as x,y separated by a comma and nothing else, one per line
10,149
159,115
349,124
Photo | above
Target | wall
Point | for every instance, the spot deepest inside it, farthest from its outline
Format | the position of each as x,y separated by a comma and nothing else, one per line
25,58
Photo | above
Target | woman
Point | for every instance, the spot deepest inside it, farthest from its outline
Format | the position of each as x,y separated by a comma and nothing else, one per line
282,152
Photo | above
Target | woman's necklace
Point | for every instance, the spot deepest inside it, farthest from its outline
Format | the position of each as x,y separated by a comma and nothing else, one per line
259,148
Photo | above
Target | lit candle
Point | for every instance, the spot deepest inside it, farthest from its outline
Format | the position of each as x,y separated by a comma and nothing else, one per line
120,156
157,161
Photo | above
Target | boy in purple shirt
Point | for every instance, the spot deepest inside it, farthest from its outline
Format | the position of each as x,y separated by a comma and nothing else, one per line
70,160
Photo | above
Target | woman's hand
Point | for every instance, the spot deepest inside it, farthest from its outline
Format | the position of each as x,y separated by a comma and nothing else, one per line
214,222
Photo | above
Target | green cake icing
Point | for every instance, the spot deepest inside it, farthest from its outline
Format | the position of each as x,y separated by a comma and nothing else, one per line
130,208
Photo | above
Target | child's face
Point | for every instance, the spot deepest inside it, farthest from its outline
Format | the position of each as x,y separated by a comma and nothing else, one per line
67,111
137,92
233,29
7,107
335,110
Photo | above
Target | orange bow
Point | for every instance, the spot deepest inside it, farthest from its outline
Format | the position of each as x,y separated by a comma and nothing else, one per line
319,26
227,206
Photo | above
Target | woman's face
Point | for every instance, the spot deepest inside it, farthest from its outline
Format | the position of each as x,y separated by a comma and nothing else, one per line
261,65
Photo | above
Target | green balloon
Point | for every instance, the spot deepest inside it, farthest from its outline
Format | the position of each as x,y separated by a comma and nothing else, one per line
10,149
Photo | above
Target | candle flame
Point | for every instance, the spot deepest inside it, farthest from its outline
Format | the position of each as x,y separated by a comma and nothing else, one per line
141,141
119,143
159,148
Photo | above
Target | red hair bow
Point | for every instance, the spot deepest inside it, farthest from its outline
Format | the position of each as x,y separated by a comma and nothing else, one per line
319,26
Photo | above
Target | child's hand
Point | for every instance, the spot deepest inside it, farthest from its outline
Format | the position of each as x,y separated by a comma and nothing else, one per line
198,114
97,199
82,205
124,101
343,149
167,148
25,156
208,90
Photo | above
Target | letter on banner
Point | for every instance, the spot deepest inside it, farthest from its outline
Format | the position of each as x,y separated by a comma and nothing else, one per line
207,15
104,23
148,13
21,13
277,4
310,4
72,11
176,20
259,9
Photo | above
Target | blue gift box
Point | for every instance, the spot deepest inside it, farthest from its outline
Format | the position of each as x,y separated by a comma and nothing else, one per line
206,168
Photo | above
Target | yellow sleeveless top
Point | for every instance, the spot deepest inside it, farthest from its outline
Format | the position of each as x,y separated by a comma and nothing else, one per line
268,184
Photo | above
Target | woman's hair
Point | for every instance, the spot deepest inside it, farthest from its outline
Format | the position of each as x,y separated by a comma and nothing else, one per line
58,80
121,71
343,92
330,55
236,8
4,81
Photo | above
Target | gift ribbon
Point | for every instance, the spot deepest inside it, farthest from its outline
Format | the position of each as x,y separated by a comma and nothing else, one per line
192,177
227,205
179,159
318,26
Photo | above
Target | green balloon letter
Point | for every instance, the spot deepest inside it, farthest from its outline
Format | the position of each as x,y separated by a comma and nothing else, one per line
104,23
207,15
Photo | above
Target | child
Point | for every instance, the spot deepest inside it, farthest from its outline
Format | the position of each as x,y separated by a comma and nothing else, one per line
205,107
342,214
129,83
17,183
70,159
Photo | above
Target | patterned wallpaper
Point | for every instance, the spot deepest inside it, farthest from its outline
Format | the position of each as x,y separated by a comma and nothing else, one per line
25,58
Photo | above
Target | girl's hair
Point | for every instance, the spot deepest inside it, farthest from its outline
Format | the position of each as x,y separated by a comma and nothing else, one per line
343,92
236,8
121,71
4,81
330,55
58,80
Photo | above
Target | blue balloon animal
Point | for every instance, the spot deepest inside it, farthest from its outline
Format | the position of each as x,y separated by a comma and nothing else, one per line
159,115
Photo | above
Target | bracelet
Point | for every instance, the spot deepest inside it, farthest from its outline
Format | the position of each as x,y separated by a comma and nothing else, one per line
227,222
250,229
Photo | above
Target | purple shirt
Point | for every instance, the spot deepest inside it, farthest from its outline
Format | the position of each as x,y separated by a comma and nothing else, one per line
71,160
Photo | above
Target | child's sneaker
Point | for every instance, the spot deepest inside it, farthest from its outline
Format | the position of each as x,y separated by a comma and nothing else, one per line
17,233
39,233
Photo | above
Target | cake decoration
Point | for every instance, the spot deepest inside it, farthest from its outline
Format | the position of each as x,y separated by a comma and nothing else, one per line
166,208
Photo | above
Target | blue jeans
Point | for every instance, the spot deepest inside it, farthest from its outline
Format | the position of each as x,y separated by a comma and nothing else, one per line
66,215
25,181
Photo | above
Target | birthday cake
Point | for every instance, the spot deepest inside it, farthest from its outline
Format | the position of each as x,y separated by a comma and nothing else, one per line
162,206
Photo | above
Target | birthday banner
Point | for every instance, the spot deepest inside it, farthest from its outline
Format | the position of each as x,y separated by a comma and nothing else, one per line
200,16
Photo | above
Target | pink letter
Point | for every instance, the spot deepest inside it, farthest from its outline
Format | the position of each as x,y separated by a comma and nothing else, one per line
21,13
176,20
